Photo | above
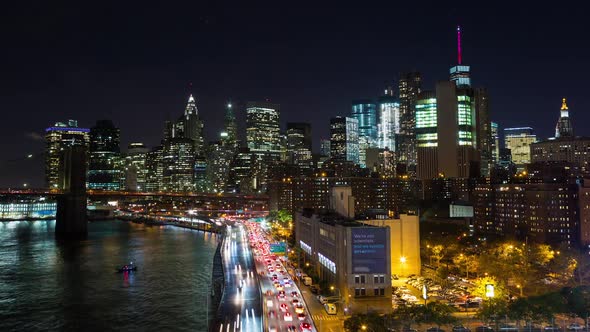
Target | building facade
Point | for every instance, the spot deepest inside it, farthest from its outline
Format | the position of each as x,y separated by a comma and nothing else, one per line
519,141
344,139
445,133
389,120
104,168
57,138
540,212
410,86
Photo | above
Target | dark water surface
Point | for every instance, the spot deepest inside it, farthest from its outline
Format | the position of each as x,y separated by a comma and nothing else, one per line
49,286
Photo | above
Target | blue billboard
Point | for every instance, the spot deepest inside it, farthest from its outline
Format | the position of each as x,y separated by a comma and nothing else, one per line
369,250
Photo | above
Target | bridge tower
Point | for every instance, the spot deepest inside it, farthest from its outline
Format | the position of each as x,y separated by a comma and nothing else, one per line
71,205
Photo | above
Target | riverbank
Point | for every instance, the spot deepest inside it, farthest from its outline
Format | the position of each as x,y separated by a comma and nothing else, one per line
217,286
156,221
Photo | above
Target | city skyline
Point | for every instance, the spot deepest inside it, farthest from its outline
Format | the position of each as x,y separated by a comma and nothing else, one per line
323,88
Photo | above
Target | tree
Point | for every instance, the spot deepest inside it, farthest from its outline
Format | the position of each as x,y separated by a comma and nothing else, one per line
435,313
480,287
372,321
492,308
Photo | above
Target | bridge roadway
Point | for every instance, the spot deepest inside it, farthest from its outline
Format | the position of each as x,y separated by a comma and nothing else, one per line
240,307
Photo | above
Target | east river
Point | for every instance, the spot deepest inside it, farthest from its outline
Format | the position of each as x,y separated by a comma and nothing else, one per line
45,285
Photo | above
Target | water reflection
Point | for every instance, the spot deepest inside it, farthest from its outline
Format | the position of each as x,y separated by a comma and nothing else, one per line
45,285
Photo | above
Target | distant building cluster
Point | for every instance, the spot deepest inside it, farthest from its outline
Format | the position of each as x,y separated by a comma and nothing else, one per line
409,151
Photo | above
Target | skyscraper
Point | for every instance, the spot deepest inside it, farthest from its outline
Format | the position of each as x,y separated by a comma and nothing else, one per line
135,171
519,141
324,147
410,86
299,145
483,130
262,127
389,120
564,126
365,112
104,169
344,139
178,159
58,137
231,127
190,126
495,143
220,156
445,132
263,138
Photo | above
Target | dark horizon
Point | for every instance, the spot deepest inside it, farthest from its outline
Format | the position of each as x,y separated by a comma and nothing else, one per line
134,64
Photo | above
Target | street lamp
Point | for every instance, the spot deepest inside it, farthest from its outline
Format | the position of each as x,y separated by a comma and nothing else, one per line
364,327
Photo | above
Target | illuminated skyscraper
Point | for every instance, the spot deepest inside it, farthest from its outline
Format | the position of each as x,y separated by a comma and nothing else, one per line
325,147
178,159
231,127
410,86
365,112
263,138
344,139
104,169
519,141
299,145
262,128
57,138
460,72
495,144
190,126
564,126
389,120
445,133
220,156
135,171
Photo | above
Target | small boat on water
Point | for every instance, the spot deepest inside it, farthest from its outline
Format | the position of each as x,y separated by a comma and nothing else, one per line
127,268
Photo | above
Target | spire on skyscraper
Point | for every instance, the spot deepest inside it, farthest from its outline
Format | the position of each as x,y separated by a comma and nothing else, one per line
564,126
459,58
191,106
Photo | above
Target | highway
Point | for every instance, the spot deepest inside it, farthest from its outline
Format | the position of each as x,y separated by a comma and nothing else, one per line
240,306
284,307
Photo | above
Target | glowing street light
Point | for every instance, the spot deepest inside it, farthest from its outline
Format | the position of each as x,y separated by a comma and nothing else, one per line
403,259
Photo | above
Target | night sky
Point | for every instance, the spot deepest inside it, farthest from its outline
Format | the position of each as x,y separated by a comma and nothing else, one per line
133,63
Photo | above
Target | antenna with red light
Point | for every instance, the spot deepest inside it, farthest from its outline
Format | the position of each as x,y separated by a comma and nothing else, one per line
459,43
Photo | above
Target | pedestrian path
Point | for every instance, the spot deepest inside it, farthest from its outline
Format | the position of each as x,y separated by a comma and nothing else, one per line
324,317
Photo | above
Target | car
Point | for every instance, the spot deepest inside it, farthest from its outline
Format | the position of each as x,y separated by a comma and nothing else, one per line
484,328
301,316
272,329
552,328
508,328
295,302
294,294
299,309
460,328
305,327
287,284
269,303
291,328
269,293
575,327
322,299
272,314
435,329
284,307
288,317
